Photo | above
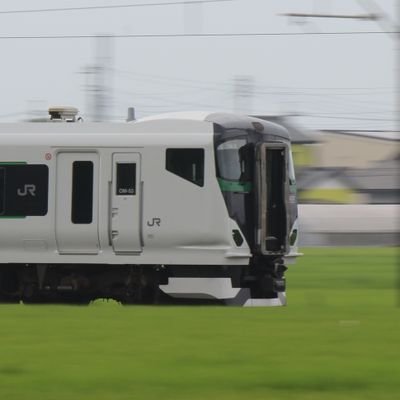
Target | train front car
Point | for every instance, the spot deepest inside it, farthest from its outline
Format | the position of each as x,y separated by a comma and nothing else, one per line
256,175
255,172
191,206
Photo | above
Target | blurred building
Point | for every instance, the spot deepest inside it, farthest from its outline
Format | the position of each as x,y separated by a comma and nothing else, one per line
344,167
355,149
303,143
327,185
379,183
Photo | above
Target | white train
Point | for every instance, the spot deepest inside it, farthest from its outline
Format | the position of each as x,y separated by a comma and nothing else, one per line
189,205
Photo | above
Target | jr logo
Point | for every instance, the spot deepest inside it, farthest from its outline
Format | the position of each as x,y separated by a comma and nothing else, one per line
27,189
154,222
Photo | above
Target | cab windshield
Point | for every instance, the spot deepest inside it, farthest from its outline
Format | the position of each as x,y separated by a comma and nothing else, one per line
234,165
230,164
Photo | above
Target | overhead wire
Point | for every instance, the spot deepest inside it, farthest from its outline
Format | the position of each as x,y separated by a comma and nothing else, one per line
191,35
214,86
135,75
115,6
346,118
222,87
355,113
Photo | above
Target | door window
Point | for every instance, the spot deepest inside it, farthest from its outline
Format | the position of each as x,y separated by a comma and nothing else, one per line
82,192
126,179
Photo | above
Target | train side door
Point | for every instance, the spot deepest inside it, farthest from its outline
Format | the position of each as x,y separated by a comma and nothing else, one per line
77,189
126,193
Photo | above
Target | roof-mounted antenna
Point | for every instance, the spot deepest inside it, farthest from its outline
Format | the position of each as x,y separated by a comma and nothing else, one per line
131,114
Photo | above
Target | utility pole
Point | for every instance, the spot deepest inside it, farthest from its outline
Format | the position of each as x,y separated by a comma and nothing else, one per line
98,81
193,17
373,13
398,66
243,94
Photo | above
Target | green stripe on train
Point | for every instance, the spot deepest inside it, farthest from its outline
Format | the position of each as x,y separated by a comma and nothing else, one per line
13,163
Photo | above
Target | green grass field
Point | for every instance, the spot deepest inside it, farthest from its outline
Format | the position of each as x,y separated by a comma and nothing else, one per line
339,338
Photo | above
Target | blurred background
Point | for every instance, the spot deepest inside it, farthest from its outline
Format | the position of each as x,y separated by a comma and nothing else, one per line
327,70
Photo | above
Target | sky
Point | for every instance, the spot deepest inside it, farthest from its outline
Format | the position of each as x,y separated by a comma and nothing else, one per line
327,81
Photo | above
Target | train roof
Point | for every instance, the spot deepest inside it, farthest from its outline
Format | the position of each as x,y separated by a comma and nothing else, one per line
187,128
225,120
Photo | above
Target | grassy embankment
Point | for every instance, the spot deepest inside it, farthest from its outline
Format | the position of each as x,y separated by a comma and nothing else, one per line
339,338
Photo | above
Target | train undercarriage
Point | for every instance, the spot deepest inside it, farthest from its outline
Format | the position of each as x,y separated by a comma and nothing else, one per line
133,284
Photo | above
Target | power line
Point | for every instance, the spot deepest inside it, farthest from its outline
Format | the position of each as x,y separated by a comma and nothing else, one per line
226,88
136,76
322,94
265,90
369,17
347,118
339,113
194,35
90,8
339,100
370,88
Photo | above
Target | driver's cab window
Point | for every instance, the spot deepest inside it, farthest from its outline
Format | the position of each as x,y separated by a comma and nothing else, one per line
234,165
229,163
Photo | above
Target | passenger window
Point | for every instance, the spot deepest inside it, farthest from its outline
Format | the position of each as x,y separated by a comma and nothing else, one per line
186,163
82,192
126,179
23,190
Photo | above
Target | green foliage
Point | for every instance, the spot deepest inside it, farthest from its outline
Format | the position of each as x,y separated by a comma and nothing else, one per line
337,339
